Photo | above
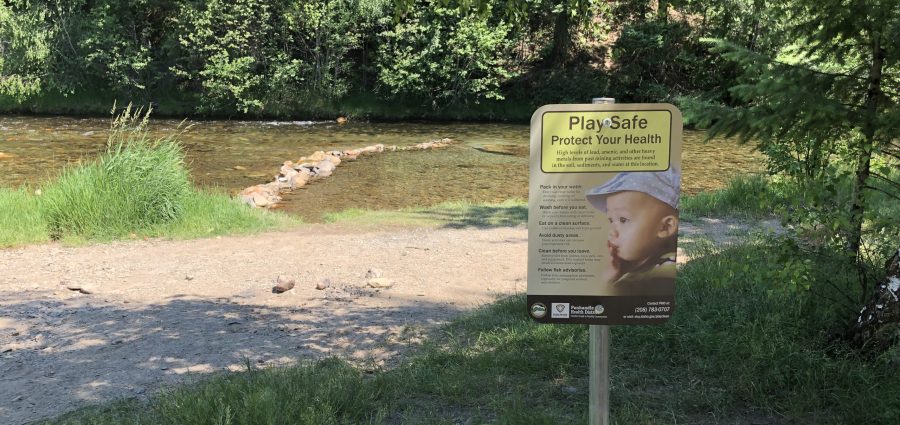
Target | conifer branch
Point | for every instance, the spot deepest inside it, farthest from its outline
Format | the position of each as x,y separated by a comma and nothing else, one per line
882,191
891,182
815,71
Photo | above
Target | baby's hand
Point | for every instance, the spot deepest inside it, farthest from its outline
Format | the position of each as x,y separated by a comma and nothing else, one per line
612,266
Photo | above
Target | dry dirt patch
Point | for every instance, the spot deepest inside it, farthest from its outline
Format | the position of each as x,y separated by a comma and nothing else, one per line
162,312
88,324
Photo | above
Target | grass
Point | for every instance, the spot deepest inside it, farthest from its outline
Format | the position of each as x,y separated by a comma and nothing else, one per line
745,196
21,218
737,350
208,214
456,214
137,183
138,187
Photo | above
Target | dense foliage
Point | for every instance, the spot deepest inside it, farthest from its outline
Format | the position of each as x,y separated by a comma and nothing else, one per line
435,57
446,55
825,111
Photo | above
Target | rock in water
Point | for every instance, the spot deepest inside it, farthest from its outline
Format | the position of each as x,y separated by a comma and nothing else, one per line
335,159
352,153
325,166
287,169
284,283
260,195
300,179
315,157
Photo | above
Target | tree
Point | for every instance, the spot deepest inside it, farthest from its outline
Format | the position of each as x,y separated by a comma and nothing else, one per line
825,110
566,16
444,55
24,49
225,49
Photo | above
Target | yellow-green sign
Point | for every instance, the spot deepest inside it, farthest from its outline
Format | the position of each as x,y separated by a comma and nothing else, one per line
605,141
603,213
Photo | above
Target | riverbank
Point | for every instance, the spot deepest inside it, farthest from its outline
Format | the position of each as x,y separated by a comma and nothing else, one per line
356,106
137,187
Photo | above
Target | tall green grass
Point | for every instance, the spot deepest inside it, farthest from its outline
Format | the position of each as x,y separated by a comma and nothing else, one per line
137,183
454,214
137,187
21,219
737,350
745,196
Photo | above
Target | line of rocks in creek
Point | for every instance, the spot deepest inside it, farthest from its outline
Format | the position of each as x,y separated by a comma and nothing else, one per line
319,165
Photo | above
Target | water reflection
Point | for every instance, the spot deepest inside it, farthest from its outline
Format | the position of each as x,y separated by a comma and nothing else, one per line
490,165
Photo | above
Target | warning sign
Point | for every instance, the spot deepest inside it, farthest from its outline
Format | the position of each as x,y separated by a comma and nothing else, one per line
603,213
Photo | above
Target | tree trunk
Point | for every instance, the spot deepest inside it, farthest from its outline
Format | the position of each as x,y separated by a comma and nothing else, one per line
559,54
864,160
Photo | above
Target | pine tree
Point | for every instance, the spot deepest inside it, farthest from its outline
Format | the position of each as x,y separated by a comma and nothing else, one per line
825,110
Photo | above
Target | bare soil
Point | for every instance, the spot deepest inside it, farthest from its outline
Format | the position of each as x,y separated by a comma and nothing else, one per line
149,314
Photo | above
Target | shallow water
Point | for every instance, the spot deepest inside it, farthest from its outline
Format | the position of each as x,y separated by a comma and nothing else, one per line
232,155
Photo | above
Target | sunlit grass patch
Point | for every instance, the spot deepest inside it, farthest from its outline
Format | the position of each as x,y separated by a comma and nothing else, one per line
450,214
21,219
135,184
745,196
213,214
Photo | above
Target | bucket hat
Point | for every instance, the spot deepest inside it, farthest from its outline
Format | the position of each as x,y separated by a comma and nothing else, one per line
662,185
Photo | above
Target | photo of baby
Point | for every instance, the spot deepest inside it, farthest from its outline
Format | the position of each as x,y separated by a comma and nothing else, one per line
642,209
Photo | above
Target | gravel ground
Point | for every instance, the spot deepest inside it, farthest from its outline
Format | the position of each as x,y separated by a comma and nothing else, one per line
81,325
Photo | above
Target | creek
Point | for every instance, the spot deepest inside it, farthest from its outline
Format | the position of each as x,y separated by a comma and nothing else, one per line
489,165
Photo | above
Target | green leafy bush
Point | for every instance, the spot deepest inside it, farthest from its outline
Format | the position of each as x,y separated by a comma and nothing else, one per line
444,55
24,49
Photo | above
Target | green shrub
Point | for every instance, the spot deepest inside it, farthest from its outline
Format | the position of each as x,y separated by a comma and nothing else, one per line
443,55
656,61
738,339
136,183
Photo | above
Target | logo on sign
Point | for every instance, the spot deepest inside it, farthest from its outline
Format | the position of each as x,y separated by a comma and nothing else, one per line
559,310
538,310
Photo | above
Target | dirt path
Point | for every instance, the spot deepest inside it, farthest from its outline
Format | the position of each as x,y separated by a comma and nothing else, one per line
163,312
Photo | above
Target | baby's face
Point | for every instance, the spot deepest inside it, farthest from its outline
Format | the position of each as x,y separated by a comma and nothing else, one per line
636,220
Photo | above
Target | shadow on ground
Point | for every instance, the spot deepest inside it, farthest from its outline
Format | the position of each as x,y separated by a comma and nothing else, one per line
83,350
